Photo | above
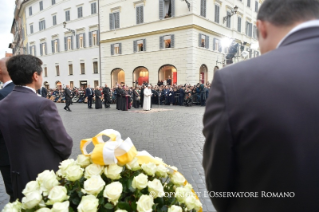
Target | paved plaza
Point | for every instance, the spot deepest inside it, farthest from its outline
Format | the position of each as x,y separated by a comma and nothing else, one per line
173,133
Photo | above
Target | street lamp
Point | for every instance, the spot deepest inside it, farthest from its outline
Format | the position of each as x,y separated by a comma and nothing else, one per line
233,12
70,30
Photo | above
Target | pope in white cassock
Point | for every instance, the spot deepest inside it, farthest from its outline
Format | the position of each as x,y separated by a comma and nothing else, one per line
147,98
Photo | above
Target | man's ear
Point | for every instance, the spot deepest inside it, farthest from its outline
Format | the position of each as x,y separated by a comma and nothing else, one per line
262,29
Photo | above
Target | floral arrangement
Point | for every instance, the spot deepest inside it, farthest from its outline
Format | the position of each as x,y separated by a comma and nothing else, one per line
84,186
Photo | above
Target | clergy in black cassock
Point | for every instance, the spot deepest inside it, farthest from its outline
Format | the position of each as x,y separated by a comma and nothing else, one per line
118,97
98,95
136,98
142,95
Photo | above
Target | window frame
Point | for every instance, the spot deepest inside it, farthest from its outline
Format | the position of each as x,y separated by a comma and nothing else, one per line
93,8
82,68
41,5
67,15
54,20
80,12
217,18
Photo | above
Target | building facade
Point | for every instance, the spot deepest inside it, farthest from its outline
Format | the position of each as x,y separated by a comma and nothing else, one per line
64,34
153,40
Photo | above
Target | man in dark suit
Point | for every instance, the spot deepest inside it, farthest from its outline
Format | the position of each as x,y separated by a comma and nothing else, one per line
68,98
261,119
89,95
106,93
169,80
4,156
31,126
43,92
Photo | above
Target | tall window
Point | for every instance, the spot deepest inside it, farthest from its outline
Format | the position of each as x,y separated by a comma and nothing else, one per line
166,9
167,41
248,3
80,12
70,69
114,20
54,20
249,29
43,49
95,68
30,11
139,15
42,25
69,43
217,46
31,29
203,8
41,5
32,50
55,46
217,7
53,2
256,6
93,8
94,38
45,72
203,41
255,32
80,40
82,68
116,49
239,24
96,83
67,15
139,45
228,19
57,69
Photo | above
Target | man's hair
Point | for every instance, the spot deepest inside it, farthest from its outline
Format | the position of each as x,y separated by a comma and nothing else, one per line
288,12
22,67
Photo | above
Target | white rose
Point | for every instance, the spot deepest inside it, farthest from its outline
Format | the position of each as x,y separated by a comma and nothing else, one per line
31,187
178,179
193,203
113,172
113,192
94,185
159,159
93,169
64,165
161,171
74,173
149,168
181,193
156,188
83,160
61,207
57,194
47,180
189,186
32,200
140,181
12,207
119,210
43,210
145,203
88,204
175,208
133,165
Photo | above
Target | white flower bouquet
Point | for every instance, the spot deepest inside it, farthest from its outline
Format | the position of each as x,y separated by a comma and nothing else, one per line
115,177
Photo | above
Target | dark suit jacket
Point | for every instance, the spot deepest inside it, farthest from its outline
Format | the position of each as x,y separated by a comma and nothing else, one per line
87,92
4,156
34,134
261,127
44,92
67,94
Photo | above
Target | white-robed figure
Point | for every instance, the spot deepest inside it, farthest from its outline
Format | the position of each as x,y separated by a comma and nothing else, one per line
147,98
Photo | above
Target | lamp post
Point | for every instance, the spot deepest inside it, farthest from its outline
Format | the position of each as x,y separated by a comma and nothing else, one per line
233,12
70,30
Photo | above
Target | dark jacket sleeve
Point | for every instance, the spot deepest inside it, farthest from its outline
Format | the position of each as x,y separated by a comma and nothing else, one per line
52,126
218,155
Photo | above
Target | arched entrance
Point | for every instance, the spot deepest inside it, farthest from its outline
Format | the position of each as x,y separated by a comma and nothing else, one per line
203,72
58,85
118,77
167,71
140,76
46,85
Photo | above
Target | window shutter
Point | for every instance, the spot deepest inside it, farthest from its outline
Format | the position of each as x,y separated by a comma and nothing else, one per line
117,20
112,21
214,44
207,42
98,37
203,8
141,14
228,19
90,39
30,49
161,9
144,44
135,46
84,43
52,44
46,48
65,43
137,15
172,41
58,49
40,26
200,40
239,24
35,51
43,24
41,52
120,48
219,46
248,3
112,49
79,12
71,42
173,8
77,41
162,42
92,8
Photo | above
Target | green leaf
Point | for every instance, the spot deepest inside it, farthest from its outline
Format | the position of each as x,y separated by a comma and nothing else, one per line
163,209
129,185
134,206
101,200
123,206
71,209
76,201
108,206
159,201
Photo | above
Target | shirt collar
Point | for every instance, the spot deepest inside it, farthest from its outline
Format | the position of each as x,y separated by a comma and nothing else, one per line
7,83
308,24
29,88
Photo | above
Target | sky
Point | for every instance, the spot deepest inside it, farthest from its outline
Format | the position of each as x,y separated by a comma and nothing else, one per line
6,18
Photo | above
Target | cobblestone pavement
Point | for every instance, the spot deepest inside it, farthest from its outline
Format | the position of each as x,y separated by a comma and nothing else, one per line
173,133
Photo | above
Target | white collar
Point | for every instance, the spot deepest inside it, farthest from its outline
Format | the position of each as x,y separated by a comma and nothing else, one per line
29,88
308,24
7,83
